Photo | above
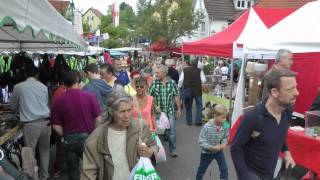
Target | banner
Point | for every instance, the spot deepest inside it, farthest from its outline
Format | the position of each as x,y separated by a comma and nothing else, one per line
115,13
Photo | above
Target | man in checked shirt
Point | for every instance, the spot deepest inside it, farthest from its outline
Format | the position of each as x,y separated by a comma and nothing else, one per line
165,92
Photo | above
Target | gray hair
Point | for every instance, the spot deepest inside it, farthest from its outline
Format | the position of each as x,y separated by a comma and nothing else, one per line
163,68
281,53
115,98
194,62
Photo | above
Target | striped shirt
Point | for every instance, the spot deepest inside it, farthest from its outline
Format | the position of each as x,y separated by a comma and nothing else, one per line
212,135
164,95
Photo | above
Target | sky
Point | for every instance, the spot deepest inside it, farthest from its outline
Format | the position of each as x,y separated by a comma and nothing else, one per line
101,5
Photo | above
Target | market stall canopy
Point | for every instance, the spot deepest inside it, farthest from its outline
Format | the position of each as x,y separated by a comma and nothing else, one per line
298,32
229,42
127,49
35,24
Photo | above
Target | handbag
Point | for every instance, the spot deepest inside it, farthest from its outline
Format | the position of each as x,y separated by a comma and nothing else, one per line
186,92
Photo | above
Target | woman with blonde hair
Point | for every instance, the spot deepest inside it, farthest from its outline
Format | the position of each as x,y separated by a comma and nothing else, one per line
144,103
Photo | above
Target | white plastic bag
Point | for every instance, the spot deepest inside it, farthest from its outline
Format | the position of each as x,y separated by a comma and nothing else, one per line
144,170
164,121
161,155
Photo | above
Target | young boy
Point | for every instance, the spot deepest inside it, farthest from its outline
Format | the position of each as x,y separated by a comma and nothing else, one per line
213,140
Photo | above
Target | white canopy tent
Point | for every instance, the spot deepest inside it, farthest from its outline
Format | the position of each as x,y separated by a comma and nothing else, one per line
35,25
127,49
298,32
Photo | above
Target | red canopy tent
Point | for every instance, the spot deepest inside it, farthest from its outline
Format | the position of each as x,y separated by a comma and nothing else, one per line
222,44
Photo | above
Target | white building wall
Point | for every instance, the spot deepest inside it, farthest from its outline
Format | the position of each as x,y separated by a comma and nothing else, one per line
200,32
211,26
217,26
77,24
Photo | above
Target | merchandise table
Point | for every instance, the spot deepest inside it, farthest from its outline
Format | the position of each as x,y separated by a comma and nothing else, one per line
305,150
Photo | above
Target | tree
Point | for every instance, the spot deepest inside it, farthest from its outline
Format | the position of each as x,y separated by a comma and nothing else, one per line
167,19
121,35
86,28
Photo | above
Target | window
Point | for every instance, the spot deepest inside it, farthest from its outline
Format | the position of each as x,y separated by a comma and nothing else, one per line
92,18
242,4
203,27
87,18
249,4
238,4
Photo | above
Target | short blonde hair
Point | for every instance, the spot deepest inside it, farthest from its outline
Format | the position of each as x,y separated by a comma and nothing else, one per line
220,109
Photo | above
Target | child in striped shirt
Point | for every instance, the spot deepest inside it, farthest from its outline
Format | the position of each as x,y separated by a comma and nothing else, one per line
213,140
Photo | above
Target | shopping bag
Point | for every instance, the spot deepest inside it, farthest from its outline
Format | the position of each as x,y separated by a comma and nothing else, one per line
160,128
161,155
162,124
144,170
164,120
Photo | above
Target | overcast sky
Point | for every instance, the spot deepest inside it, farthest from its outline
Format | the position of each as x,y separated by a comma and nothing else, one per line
101,5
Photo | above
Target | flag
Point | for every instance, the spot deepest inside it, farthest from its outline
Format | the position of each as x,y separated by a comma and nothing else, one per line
239,100
115,13
237,113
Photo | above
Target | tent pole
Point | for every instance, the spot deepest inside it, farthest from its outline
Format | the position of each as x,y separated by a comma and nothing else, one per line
231,88
182,52
244,60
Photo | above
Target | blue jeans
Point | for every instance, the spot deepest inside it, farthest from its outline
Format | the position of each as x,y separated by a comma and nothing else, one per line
188,104
206,159
73,149
172,133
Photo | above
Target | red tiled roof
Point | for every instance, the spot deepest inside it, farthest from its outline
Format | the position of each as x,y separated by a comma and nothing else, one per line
220,9
282,3
60,6
95,11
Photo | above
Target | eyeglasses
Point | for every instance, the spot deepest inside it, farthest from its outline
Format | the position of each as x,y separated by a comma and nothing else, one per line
139,87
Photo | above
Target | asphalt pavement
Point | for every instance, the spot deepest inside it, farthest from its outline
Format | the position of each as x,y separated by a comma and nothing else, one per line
185,166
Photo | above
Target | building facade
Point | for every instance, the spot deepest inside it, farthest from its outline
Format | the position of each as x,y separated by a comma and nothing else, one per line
93,18
218,14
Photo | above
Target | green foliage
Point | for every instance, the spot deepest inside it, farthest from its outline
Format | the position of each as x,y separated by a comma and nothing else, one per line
119,36
167,19
209,67
156,19
86,28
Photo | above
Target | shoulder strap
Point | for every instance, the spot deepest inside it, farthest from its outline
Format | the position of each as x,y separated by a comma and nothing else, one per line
137,106
258,125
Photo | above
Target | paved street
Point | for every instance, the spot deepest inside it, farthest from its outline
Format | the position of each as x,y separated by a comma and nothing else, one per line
185,166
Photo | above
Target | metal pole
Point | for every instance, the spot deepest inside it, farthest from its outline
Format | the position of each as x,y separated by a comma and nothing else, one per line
20,46
231,89
182,52
244,60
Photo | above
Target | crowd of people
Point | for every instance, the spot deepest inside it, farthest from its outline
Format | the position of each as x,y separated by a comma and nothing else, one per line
95,115
107,120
